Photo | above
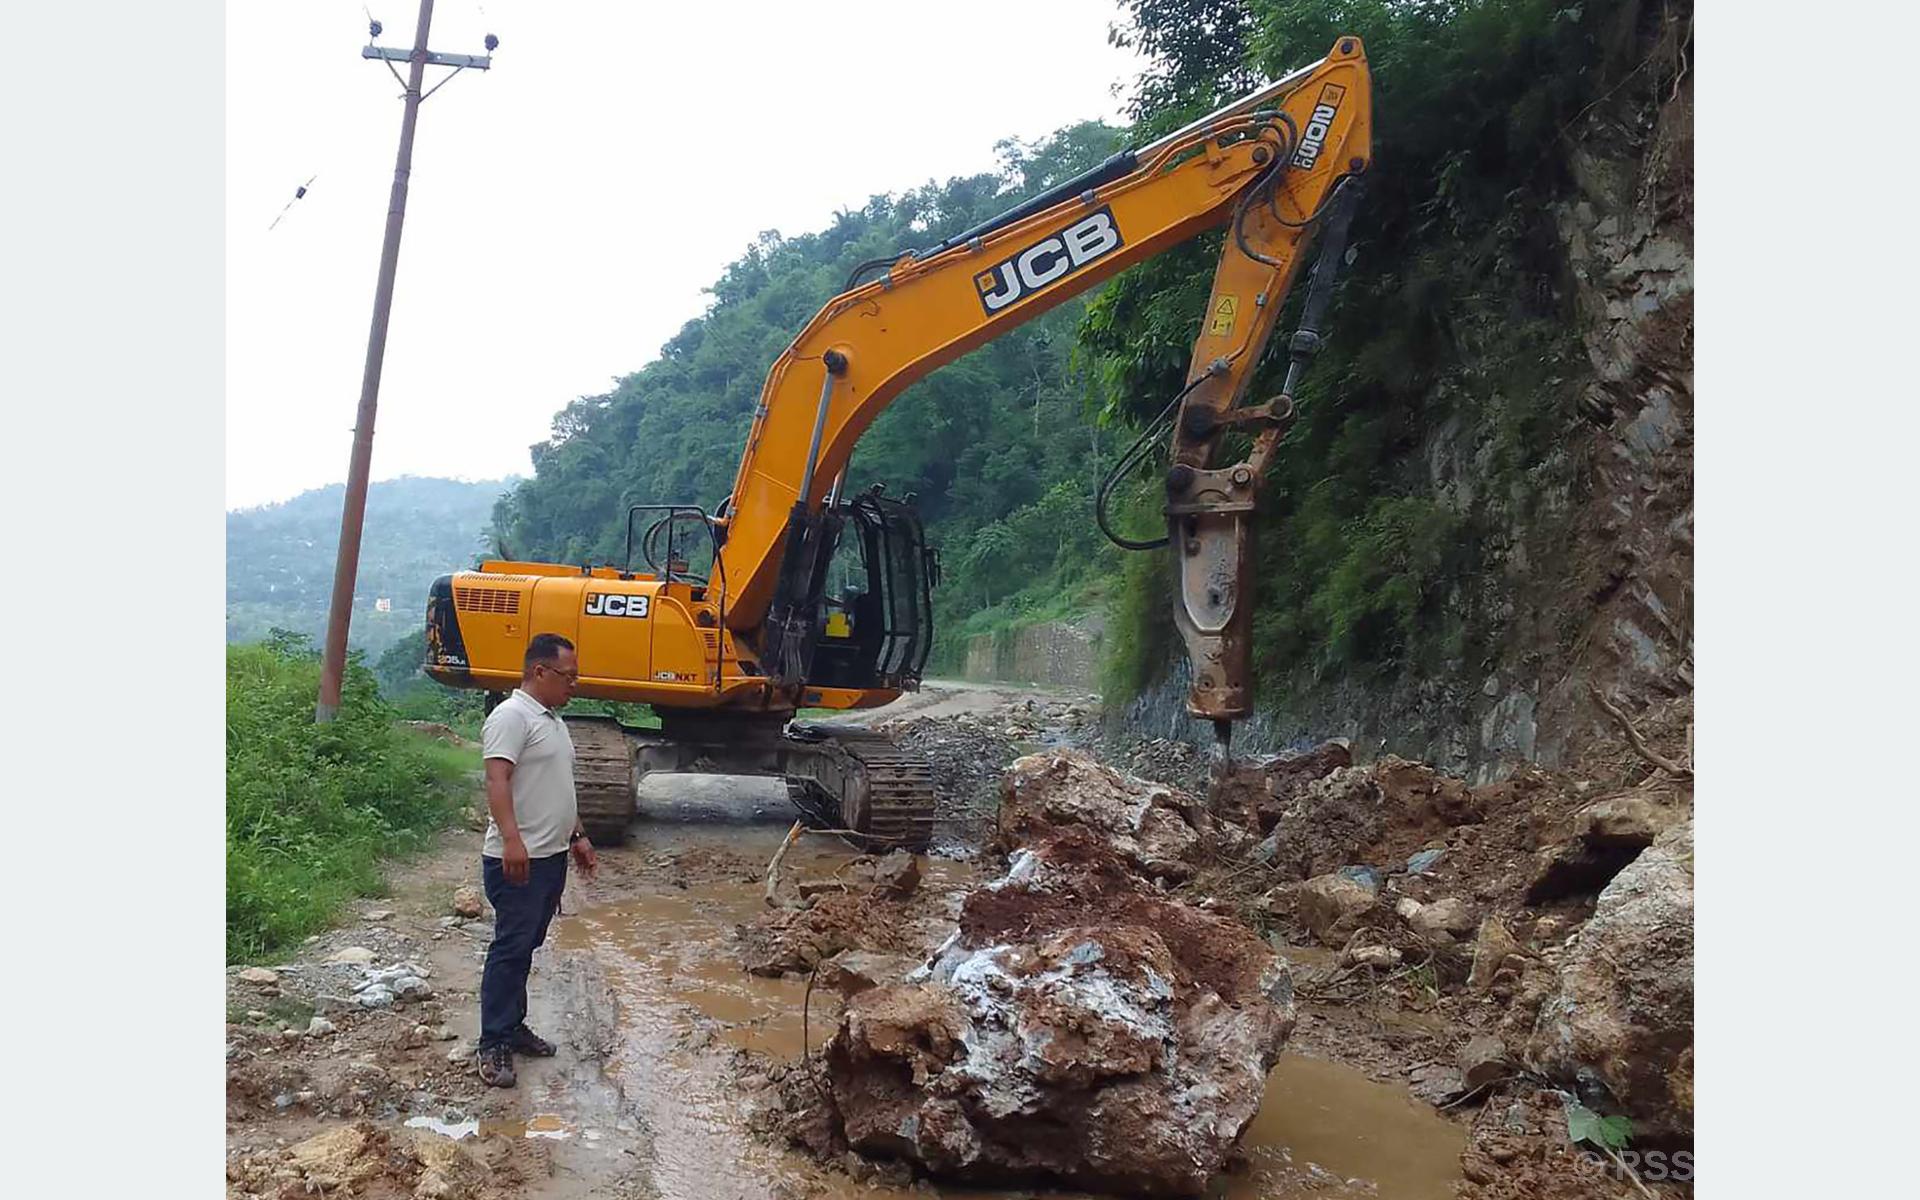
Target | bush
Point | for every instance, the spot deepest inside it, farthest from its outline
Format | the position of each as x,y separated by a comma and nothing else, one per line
312,809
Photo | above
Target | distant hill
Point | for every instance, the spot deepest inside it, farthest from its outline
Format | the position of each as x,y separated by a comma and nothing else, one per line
280,557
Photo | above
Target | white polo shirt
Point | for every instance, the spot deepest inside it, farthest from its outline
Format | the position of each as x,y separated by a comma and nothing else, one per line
534,739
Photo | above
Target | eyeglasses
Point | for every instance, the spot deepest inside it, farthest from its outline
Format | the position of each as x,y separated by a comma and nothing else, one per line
569,676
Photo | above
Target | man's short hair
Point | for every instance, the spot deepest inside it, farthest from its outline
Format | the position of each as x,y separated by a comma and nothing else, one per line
544,648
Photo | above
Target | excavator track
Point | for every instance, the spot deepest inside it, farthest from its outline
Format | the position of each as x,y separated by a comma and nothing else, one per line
603,777
878,789
900,797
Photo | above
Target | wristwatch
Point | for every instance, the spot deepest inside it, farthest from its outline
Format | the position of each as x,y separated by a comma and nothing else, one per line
574,839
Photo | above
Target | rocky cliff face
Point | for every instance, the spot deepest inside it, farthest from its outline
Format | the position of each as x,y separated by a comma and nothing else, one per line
1589,572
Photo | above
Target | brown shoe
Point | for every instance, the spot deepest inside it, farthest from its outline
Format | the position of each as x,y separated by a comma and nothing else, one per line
526,1041
496,1066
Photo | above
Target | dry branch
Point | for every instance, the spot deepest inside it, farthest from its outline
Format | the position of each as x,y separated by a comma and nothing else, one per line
1639,743
773,865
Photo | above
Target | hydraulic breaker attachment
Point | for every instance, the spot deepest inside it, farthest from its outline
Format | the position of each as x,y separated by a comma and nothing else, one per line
1209,525
1210,509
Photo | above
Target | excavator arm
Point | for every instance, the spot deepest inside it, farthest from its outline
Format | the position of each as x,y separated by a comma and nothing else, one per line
1275,166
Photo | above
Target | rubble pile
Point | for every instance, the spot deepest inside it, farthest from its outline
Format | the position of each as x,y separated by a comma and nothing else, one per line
1550,918
1162,760
1256,792
858,908
1081,1026
363,1159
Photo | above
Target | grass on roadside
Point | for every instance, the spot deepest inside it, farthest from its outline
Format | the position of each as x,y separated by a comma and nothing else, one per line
313,809
279,1011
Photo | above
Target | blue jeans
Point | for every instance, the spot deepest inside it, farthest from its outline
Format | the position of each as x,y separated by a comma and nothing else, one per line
521,914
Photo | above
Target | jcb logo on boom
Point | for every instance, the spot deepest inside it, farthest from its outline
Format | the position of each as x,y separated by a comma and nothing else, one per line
1048,261
617,604
1313,139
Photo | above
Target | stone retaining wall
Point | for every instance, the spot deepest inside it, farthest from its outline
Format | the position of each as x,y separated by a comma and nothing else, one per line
1060,653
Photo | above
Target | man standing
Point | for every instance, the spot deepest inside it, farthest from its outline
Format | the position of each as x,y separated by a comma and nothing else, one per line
533,824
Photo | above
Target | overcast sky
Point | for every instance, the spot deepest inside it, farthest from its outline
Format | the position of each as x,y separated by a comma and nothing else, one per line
568,206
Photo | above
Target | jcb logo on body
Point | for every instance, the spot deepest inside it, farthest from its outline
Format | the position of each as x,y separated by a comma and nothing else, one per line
1313,138
1048,260
617,604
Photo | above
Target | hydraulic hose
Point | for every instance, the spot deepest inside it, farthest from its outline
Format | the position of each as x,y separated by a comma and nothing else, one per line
1126,463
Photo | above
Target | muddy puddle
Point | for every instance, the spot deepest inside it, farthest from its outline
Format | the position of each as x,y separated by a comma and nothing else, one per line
1324,1130
548,1126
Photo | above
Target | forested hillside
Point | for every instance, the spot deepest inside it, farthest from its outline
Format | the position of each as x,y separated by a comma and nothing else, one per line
280,557
1486,505
999,446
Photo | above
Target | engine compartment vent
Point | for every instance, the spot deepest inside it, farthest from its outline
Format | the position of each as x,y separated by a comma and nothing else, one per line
486,600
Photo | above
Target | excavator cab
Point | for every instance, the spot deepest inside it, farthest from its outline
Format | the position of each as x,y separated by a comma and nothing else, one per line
874,614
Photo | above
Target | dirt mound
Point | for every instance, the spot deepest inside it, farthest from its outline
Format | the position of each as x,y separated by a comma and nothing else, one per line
1378,814
1081,1027
1256,792
366,1161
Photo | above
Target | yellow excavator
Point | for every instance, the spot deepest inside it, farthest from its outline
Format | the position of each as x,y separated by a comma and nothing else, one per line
722,621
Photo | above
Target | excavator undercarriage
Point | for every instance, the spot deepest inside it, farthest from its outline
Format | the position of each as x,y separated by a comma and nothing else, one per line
840,776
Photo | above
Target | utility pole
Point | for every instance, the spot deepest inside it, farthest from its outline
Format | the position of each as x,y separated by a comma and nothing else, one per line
333,664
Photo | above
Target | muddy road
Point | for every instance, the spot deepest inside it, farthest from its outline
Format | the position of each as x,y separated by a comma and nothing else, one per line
667,1044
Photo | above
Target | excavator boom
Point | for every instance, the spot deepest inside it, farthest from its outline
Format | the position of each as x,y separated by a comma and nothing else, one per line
930,308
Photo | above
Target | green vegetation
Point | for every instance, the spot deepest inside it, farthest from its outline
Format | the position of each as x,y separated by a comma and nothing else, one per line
414,697
1608,1133
280,557
312,809
1453,325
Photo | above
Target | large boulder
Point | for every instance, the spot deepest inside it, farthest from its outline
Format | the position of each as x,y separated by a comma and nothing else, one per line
1332,906
1080,1028
1145,823
1328,823
1632,819
1443,920
1419,796
851,972
1617,1025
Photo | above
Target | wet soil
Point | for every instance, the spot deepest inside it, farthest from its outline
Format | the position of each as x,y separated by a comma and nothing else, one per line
696,1034
666,1043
